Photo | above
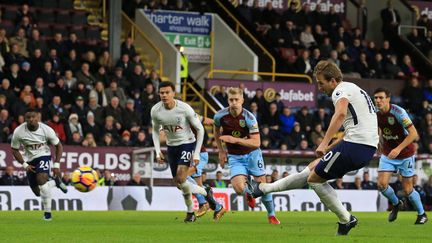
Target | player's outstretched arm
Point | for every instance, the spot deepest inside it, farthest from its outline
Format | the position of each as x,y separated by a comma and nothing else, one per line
335,123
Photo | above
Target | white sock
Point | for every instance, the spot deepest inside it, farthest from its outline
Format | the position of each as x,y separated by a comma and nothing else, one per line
45,192
328,196
195,189
187,195
295,181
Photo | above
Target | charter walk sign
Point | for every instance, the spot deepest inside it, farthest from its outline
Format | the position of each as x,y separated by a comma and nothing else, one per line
189,29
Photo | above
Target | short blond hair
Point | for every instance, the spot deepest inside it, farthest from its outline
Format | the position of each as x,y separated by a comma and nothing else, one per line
235,91
329,70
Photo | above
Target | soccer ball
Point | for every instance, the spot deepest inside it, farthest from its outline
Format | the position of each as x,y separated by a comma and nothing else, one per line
84,179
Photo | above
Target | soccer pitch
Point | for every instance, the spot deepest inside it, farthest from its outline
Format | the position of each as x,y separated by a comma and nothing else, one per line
138,226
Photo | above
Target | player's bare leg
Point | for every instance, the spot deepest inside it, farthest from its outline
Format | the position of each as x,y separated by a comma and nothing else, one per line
293,181
414,197
388,192
239,185
328,196
267,200
45,193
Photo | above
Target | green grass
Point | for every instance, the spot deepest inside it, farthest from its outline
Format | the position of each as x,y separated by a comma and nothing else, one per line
133,226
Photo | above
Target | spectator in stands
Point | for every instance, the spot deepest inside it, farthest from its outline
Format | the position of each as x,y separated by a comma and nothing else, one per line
70,80
102,75
85,76
296,136
290,35
275,36
427,187
27,92
109,141
304,119
137,79
105,60
286,121
97,110
115,110
219,182
390,19
334,20
427,91
114,91
367,184
346,66
9,179
37,62
274,175
334,57
222,96
14,55
36,42
285,174
407,67
133,117
377,66
27,75
136,180
269,15
73,126
272,119
387,51
341,36
412,96
98,92
73,44
362,66
142,140
58,44
58,127
416,39
72,62
24,11
21,40
154,79
306,37
426,140
15,77
260,100
254,110
326,47
112,127
6,90
149,98
303,64
356,185
355,49
319,35
125,139
4,104
5,125
90,126
316,57
338,184
317,132
392,68
127,47
125,64
303,145
40,90
80,109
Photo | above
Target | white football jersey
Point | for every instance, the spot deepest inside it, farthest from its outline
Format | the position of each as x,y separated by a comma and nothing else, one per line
176,122
361,124
35,143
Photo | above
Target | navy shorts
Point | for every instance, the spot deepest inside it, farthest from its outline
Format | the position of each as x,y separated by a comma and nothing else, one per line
343,158
180,155
42,165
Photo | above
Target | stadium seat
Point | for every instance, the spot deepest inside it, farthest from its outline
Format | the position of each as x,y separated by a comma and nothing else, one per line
79,31
79,17
45,30
9,26
288,54
46,15
61,28
93,32
9,12
49,3
63,17
65,4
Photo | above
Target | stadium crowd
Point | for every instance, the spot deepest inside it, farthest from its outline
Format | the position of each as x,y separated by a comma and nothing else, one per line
91,100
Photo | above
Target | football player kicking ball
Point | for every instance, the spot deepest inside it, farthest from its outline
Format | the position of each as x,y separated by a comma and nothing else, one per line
356,112
397,136
176,118
36,137
240,133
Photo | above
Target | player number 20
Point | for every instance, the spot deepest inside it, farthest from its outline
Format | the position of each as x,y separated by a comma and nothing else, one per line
186,155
